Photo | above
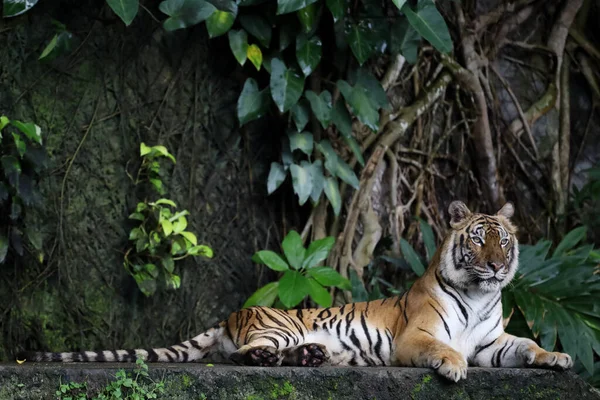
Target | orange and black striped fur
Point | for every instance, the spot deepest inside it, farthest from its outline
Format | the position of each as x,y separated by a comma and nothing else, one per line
450,318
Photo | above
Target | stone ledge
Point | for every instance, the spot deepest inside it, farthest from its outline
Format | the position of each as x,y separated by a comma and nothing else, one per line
199,381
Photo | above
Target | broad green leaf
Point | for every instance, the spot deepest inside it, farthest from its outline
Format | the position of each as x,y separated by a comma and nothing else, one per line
372,87
125,9
167,227
152,270
308,17
308,53
399,3
359,293
405,40
337,8
332,192
301,114
287,32
3,122
286,85
288,6
360,103
271,260
325,147
3,248
35,238
293,288
430,24
190,237
201,250
341,118
59,45
355,147
428,239
276,177
167,263
238,42
146,283
252,103
31,130
255,56
345,173
136,233
301,141
174,281
327,276
185,13
144,150
321,106
265,296
319,294
318,179
360,39
411,256
20,144
12,8
164,201
302,182
258,27
570,240
219,23
293,249
160,151
318,251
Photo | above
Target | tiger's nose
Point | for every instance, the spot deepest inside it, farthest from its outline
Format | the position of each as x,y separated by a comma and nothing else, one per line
495,266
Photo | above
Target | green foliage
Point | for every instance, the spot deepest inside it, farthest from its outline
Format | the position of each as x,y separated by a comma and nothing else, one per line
12,8
160,237
559,296
126,386
586,203
22,159
302,275
60,44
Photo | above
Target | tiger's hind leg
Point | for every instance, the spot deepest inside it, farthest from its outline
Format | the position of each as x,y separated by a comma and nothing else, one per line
257,355
306,355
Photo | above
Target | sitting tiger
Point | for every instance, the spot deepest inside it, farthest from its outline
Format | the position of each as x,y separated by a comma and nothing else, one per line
450,318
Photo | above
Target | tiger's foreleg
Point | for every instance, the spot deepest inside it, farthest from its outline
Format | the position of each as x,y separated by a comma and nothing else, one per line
511,351
421,349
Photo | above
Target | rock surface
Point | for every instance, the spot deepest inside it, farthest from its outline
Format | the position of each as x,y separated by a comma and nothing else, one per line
200,381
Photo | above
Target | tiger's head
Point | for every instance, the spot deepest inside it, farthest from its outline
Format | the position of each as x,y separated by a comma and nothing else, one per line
482,250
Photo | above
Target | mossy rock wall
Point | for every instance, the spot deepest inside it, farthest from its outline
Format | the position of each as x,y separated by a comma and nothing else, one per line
35,381
117,88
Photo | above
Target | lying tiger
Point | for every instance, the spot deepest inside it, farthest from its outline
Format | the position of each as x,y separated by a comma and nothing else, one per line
450,318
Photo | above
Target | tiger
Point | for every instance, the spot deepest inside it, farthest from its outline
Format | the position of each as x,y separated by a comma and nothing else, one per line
449,319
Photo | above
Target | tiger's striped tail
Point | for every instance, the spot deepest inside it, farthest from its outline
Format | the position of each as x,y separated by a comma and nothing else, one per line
191,350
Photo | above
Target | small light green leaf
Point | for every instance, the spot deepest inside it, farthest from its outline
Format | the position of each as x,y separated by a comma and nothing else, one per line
265,296
308,53
430,24
167,227
152,270
258,27
185,13
167,263
319,294
201,250
321,106
180,224
164,201
301,141
144,149
301,114
190,237
125,9
252,103
271,260
293,288
293,249
31,130
238,42
255,56
20,144
288,6
174,281
219,23
332,192
337,8
318,251
3,122
411,256
276,177
302,182
286,85
136,233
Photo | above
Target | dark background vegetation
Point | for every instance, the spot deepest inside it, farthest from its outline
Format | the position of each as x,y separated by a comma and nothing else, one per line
121,86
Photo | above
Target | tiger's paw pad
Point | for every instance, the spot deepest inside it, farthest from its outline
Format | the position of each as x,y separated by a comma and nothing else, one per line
262,358
546,359
452,368
313,355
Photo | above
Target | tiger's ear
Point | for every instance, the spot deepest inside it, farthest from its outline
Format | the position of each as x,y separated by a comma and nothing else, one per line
459,212
507,210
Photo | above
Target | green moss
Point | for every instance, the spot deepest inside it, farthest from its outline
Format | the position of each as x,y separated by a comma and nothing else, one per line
420,386
286,390
186,380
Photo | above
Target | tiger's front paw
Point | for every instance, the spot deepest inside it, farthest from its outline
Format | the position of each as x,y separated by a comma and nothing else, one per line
545,359
451,366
